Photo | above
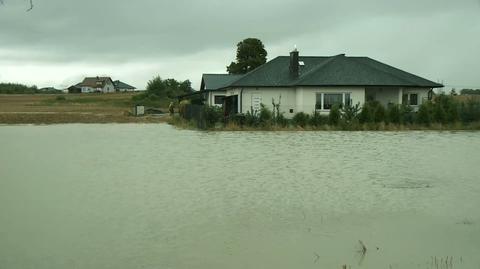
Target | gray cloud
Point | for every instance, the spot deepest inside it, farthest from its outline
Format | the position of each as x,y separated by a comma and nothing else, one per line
435,38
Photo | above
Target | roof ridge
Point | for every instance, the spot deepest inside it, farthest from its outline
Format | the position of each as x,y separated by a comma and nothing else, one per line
306,75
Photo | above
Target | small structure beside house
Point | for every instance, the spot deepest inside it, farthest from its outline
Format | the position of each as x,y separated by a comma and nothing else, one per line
315,83
75,88
122,86
138,110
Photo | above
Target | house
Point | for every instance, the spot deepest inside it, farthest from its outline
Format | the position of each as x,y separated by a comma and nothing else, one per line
96,84
315,83
77,88
123,87
215,84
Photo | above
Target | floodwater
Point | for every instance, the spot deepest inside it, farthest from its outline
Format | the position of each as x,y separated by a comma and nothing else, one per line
150,196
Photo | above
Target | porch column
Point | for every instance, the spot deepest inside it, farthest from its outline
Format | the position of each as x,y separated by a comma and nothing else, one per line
400,95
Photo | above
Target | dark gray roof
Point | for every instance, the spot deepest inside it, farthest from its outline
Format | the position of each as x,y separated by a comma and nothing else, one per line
95,81
121,85
337,70
217,81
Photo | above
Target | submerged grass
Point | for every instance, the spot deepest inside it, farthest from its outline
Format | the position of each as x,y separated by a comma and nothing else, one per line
233,126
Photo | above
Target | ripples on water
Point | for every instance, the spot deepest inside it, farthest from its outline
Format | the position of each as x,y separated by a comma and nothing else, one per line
150,196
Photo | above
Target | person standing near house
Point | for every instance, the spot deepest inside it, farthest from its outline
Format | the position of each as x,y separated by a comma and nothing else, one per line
170,108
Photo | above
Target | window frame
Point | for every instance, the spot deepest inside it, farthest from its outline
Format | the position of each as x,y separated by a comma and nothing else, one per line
215,100
345,95
407,99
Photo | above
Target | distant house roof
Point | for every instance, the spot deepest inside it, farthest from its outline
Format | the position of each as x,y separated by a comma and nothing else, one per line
217,81
122,85
76,86
338,70
48,89
94,82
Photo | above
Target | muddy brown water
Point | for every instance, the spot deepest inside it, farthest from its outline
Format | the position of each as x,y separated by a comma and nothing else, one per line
152,196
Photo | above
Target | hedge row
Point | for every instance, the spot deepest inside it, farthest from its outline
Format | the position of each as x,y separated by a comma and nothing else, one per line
443,110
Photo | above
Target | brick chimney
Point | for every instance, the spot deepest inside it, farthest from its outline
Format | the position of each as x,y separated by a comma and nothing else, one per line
294,63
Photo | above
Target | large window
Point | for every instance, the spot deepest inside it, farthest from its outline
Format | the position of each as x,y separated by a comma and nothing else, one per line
410,99
218,99
331,99
325,101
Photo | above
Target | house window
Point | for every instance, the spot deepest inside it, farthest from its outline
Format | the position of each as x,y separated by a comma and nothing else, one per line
348,100
318,103
413,99
331,99
218,99
325,101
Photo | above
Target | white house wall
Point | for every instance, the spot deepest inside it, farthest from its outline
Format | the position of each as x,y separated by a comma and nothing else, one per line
303,99
108,87
253,96
293,100
422,95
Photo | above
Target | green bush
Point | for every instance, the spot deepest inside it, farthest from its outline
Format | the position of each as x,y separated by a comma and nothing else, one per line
350,113
316,119
372,111
470,111
380,113
265,115
239,119
393,114
445,109
213,115
366,114
300,119
407,116
334,116
439,114
425,113
251,118
281,120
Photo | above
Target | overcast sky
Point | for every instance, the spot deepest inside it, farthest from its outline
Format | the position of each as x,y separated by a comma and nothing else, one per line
61,41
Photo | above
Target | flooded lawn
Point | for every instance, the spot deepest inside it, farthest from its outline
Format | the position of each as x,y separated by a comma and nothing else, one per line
150,196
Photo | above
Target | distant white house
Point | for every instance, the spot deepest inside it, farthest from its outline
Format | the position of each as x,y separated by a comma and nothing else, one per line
100,84
96,84
315,83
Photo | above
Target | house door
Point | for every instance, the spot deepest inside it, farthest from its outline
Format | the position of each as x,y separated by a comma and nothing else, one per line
231,105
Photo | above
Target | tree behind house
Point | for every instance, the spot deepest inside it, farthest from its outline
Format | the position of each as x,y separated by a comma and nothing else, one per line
251,54
160,92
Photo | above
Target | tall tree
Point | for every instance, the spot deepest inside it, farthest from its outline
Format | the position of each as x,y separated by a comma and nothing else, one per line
251,54
169,88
